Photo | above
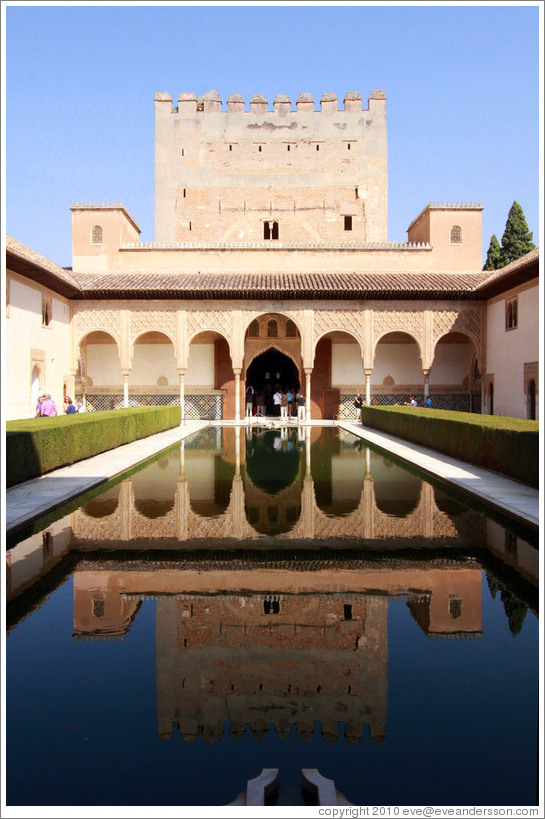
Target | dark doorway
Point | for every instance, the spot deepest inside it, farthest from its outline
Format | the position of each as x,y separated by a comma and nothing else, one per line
532,400
270,371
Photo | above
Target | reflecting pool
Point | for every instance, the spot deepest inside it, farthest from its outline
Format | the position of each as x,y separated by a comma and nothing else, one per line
272,598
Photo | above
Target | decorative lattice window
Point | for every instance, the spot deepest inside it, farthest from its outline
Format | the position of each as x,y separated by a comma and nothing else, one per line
96,235
253,329
46,311
272,328
456,235
511,314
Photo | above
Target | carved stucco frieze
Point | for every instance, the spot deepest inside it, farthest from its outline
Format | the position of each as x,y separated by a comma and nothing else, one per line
147,321
347,321
219,321
468,321
400,321
94,320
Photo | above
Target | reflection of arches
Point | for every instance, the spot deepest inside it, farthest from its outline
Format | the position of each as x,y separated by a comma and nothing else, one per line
448,505
105,504
274,462
209,483
397,492
154,488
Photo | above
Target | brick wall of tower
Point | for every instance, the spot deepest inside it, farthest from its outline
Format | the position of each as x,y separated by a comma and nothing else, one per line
321,174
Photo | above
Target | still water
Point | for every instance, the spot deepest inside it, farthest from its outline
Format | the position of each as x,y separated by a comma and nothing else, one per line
272,598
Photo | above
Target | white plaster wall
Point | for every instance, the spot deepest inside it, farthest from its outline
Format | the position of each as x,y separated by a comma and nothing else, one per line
24,332
27,557
104,366
200,366
150,362
451,363
401,361
346,365
509,350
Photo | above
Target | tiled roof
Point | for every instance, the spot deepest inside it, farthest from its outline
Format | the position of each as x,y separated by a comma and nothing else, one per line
23,260
523,263
286,285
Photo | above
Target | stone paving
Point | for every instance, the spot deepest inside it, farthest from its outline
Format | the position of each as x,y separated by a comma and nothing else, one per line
31,499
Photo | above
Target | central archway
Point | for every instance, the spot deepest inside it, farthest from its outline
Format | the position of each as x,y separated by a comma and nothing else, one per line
272,370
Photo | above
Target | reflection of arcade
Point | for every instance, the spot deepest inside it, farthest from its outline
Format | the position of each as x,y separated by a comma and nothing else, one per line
314,649
315,492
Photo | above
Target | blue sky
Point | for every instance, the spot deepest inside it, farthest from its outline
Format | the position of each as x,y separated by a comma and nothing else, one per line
461,83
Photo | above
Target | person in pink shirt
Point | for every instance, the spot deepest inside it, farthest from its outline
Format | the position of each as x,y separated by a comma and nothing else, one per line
48,406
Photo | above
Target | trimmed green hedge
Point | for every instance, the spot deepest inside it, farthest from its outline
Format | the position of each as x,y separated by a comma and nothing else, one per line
509,446
37,445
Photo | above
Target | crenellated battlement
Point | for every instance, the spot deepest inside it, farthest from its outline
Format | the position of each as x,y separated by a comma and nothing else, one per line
211,103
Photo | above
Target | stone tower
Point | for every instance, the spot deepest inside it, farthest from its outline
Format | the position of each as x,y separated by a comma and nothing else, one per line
282,175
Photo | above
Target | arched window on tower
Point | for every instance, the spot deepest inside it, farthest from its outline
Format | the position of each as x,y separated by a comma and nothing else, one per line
272,328
456,235
96,235
253,329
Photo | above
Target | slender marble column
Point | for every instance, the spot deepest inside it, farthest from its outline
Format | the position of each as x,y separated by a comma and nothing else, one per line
307,395
181,376
368,387
126,388
237,394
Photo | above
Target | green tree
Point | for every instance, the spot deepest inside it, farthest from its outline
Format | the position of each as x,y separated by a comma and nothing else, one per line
516,239
493,257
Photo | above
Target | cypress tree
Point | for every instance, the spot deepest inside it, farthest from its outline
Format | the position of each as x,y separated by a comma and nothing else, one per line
517,239
493,257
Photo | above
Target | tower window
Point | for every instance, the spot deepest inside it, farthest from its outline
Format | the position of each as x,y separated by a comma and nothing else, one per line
272,328
270,230
348,223
98,607
456,235
317,147
96,235
184,192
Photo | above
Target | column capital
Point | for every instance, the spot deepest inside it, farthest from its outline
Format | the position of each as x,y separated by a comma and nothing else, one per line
368,372
126,372
237,371
308,371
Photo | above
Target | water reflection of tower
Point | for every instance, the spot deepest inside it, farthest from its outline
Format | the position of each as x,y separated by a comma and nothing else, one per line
272,660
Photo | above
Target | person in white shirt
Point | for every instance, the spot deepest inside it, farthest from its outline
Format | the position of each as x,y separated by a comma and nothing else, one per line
277,398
